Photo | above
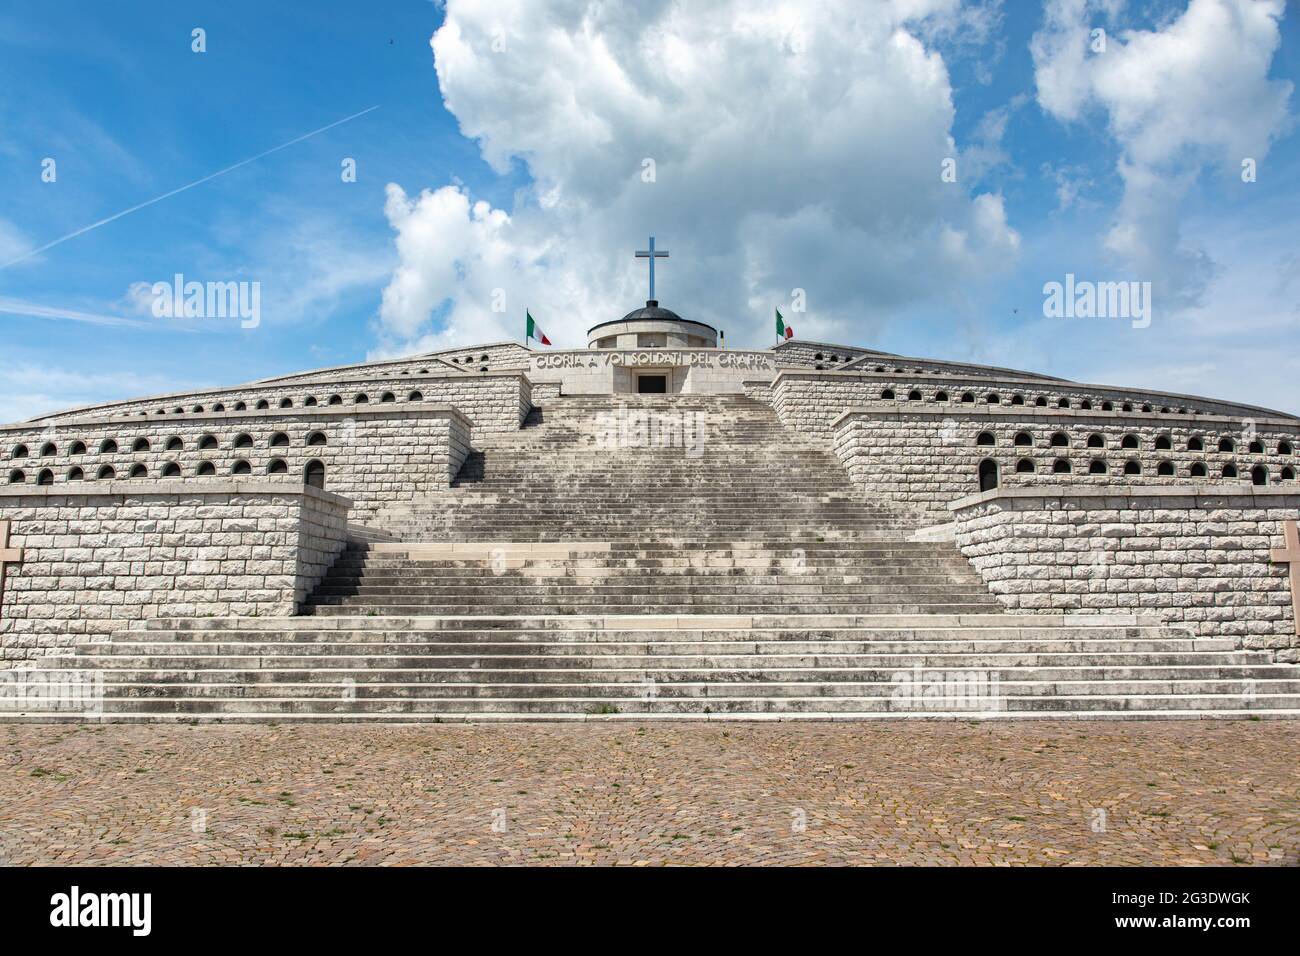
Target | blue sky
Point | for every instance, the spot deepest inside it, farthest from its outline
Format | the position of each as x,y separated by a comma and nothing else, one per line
792,150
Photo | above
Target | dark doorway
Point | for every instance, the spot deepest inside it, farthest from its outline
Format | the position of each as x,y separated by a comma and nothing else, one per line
314,473
988,474
652,384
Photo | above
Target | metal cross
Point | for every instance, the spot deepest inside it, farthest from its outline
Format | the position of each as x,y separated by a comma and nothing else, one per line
652,255
1290,554
8,555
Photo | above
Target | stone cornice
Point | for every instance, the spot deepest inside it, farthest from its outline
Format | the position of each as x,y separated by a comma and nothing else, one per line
869,353
1244,495
236,390
978,383
369,410
1032,412
171,488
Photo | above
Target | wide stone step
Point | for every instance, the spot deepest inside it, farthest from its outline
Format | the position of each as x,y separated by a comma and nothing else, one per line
616,536
528,633
420,658
714,689
595,552
810,652
943,590
901,705
943,587
1266,676
635,530
764,641
658,564
754,569
522,569
678,603
562,589
671,623
353,610
615,715
693,500
663,544
686,519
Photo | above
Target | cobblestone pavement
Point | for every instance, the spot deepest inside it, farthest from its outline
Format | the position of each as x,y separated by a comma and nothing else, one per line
1177,792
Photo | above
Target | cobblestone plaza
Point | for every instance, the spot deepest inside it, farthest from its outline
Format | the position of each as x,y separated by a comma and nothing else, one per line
1060,793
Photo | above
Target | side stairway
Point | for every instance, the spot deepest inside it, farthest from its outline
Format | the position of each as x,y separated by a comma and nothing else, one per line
633,557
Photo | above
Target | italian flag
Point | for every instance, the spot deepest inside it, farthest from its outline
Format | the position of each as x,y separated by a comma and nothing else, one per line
783,331
533,331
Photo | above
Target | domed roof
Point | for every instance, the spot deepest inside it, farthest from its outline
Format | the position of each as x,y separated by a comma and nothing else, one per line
653,312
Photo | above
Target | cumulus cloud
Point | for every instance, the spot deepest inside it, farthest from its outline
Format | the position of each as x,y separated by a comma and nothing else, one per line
1191,95
769,146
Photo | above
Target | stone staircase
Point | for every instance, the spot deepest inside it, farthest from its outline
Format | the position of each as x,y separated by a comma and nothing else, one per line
664,577
744,520
760,667
564,576
738,475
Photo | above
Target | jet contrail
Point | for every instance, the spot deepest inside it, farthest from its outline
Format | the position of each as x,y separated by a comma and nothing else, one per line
35,310
181,189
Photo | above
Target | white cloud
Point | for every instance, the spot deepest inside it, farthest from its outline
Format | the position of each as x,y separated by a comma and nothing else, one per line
986,154
1072,184
794,146
1190,95
28,389
12,241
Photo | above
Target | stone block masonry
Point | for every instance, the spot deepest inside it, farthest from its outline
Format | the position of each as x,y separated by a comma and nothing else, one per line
502,356
490,401
101,560
1194,557
925,457
544,392
810,402
372,455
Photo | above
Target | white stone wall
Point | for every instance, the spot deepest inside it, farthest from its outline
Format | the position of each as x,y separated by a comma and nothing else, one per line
603,371
373,455
523,405
926,458
544,392
99,561
492,402
794,353
1193,557
494,357
810,402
